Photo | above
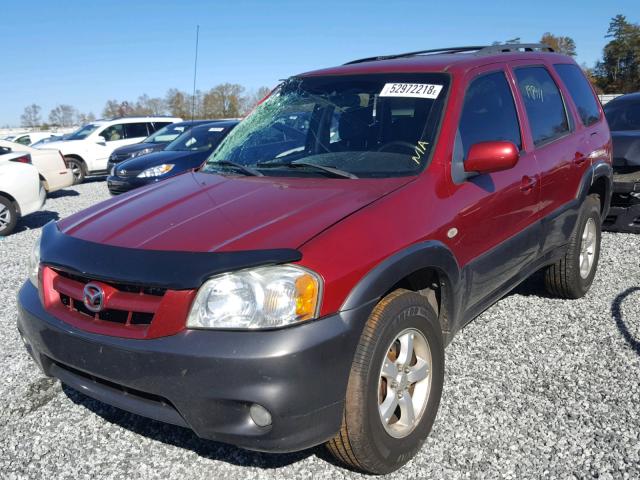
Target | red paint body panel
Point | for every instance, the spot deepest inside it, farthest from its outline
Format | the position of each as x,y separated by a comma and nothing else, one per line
203,212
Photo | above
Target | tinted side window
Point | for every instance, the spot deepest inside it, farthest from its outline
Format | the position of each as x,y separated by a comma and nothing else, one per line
113,133
488,114
544,105
580,92
155,126
136,130
24,140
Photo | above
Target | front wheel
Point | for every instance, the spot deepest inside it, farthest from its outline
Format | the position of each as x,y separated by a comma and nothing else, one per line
77,169
394,386
573,274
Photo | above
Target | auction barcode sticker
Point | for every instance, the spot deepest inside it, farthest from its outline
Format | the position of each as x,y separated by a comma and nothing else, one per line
414,90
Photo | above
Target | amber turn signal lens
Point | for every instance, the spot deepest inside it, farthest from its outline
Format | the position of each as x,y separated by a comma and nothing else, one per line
307,296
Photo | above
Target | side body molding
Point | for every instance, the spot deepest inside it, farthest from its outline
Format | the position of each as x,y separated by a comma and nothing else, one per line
429,254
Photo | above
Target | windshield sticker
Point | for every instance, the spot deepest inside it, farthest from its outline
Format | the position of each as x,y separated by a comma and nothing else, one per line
413,90
420,148
216,129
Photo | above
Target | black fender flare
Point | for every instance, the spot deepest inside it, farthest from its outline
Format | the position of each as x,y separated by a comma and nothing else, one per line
429,254
597,170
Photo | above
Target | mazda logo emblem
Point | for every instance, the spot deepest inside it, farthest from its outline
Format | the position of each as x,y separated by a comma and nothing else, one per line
93,297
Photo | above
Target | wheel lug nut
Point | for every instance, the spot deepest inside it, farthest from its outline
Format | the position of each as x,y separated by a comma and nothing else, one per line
407,369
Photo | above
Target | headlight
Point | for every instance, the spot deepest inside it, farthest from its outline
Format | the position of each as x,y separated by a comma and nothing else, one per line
34,263
139,153
264,297
156,171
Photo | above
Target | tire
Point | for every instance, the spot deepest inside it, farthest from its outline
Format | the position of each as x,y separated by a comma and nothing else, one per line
8,216
77,167
364,442
568,277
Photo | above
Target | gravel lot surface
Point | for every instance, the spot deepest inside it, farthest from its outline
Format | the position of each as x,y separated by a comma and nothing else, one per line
535,387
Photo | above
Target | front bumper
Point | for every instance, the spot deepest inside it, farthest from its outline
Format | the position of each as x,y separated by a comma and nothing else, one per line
207,380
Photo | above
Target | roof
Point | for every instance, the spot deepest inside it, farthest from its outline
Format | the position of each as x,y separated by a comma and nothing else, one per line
441,60
628,97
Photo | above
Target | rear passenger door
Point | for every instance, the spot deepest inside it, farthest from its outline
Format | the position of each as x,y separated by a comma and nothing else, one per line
497,231
558,150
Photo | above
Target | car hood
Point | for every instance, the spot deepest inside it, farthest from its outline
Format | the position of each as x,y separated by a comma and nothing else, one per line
626,148
205,212
138,164
136,147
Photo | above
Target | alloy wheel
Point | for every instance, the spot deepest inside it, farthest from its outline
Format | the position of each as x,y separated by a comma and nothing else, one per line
404,383
588,248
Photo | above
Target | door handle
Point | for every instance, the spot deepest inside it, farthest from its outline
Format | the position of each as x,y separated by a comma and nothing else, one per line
527,183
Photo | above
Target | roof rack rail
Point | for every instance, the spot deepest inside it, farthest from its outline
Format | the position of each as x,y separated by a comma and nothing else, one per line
478,50
515,47
418,52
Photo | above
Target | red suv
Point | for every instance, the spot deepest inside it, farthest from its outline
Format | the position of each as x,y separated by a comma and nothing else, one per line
302,286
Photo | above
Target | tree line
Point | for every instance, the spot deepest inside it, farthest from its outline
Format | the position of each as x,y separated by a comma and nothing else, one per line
617,72
227,100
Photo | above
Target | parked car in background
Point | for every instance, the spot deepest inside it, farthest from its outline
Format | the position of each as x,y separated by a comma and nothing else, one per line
50,164
21,191
281,300
29,138
53,138
623,115
153,143
187,152
87,150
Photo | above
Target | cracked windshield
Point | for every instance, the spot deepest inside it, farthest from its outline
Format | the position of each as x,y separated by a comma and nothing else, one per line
355,126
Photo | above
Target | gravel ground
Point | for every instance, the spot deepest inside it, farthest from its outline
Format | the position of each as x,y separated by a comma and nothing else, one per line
535,387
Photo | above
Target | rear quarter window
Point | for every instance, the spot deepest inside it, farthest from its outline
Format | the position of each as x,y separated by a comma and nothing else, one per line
580,92
136,130
543,103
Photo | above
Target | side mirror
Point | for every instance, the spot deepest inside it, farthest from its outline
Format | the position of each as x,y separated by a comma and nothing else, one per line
101,140
487,157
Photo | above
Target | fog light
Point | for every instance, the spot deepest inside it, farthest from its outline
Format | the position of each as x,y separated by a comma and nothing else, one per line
260,416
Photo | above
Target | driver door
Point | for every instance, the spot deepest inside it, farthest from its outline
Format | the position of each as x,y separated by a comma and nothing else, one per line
496,220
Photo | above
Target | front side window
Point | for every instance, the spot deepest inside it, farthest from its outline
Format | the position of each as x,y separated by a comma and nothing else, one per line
113,133
375,125
136,130
580,92
83,132
24,140
543,103
198,139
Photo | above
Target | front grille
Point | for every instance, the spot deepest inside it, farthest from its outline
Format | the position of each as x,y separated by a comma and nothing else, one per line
125,304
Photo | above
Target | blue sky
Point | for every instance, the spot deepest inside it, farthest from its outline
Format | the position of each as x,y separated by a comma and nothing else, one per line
84,53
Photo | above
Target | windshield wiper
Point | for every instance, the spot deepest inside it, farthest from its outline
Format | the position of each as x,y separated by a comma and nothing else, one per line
243,168
300,164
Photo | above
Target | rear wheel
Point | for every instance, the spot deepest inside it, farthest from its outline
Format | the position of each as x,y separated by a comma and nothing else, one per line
572,275
8,216
77,169
394,387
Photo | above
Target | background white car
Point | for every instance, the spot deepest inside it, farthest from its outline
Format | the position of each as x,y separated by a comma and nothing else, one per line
87,150
50,164
29,138
21,193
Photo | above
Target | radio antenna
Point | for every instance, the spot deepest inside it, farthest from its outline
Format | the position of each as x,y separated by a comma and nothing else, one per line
195,73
